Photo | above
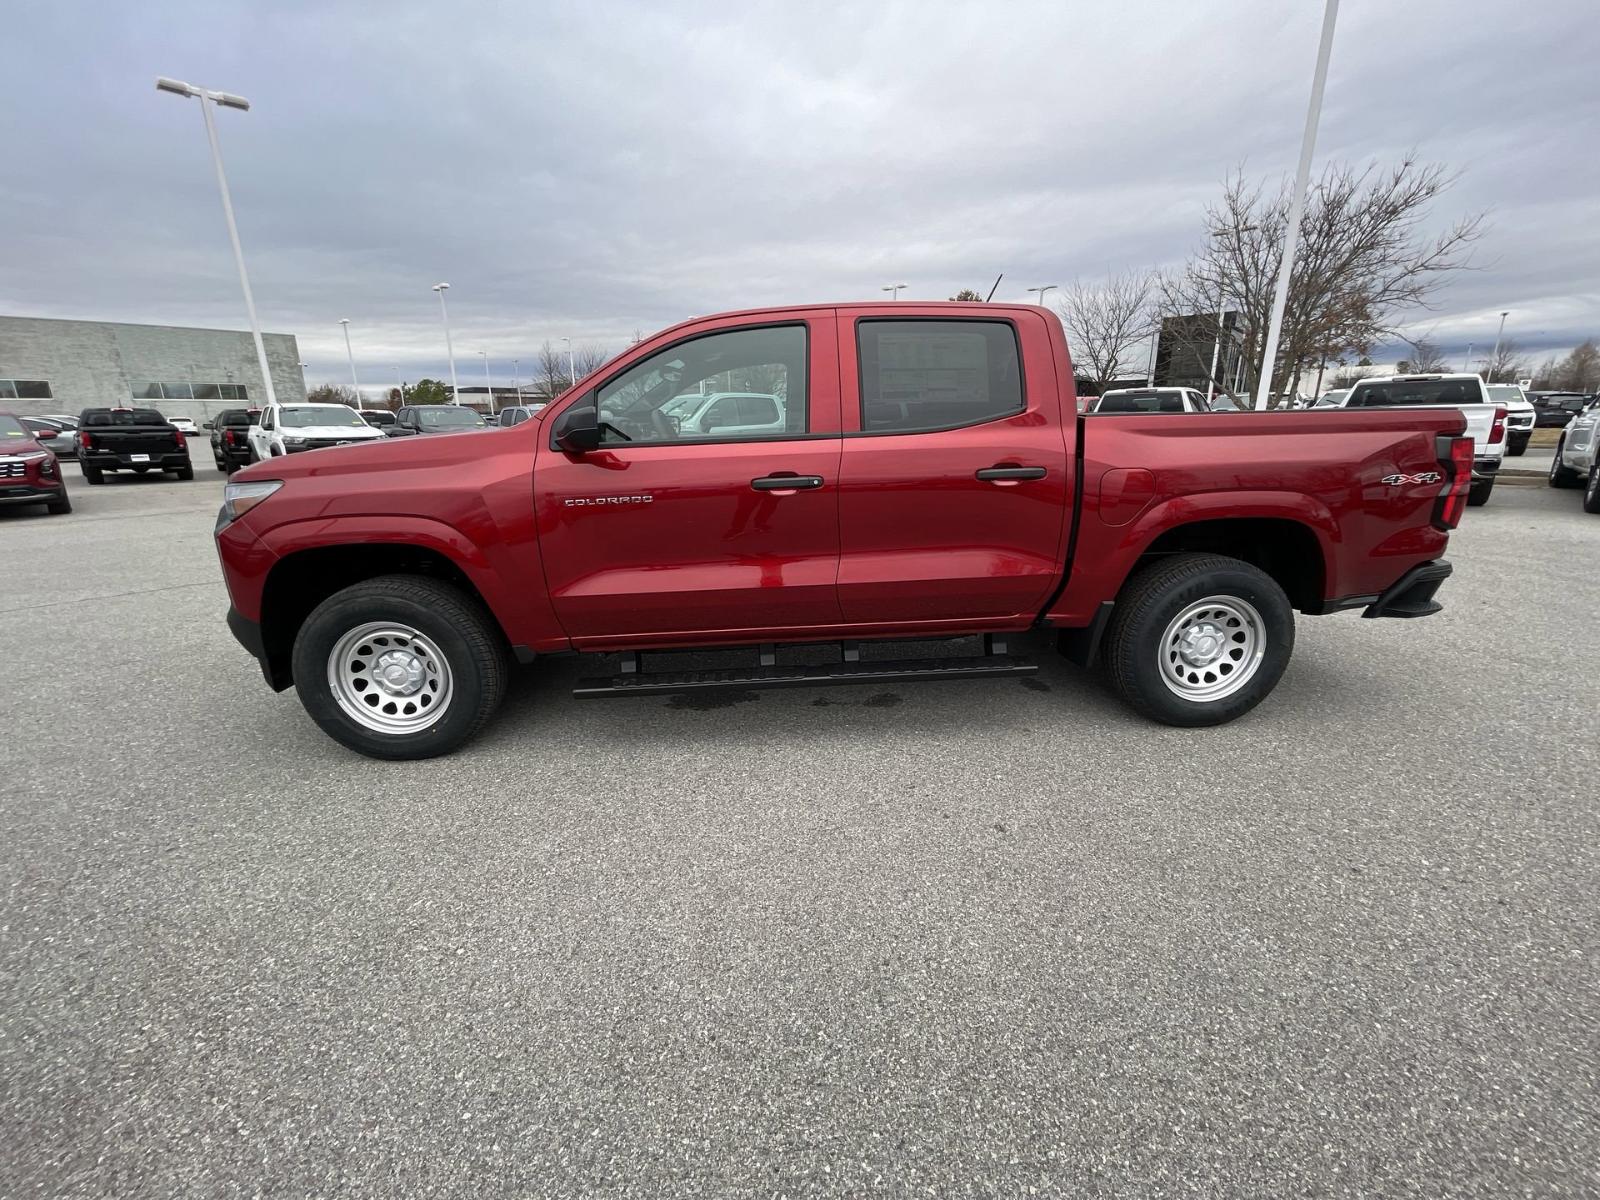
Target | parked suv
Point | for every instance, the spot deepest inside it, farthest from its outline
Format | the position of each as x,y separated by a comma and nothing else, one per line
1555,409
517,414
1519,415
29,472
230,437
436,418
1577,456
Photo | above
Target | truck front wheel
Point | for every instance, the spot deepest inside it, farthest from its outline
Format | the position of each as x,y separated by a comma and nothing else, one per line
400,667
1199,639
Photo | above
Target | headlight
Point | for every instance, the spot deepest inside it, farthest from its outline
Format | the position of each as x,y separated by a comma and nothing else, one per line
294,441
240,498
47,468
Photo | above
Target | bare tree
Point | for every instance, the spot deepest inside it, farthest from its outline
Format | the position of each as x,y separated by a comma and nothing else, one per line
1348,376
1426,357
1579,371
1504,365
333,393
551,378
1105,322
1363,261
589,356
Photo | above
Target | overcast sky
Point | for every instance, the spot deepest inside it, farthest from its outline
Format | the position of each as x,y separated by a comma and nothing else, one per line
593,169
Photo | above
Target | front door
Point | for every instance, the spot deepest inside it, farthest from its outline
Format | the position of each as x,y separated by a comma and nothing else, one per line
956,480
682,528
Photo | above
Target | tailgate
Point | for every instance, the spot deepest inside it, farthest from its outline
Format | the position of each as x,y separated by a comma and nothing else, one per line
137,441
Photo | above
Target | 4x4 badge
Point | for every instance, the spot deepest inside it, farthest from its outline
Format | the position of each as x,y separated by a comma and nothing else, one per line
1401,480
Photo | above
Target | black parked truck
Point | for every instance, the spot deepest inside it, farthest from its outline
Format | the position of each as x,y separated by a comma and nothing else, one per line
140,440
230,437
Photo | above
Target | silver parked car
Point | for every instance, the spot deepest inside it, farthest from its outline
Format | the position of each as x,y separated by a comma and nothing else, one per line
1577,458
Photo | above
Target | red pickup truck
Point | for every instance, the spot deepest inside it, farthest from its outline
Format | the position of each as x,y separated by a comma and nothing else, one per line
841,474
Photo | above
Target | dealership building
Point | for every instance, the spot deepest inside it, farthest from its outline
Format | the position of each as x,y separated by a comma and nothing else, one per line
49,366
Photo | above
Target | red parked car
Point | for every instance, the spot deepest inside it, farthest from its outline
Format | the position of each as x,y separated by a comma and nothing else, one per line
29,472
888,471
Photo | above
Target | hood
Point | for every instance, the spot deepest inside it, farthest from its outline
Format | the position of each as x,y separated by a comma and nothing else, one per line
13,446
381,454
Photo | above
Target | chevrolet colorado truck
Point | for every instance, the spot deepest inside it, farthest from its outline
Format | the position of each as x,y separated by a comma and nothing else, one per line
930,478
140,440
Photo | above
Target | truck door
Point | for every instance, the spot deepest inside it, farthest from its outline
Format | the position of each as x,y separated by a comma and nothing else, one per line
955,481
687,531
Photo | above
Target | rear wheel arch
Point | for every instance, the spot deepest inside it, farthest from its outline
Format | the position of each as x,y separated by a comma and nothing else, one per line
1287,550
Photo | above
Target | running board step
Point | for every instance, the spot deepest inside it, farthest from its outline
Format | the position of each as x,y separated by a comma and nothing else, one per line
652,683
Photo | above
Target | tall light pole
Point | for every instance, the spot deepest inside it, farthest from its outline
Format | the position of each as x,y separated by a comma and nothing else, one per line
572,371
1466,364
1291,237
1494,359
516,378
1049,287
893,287
226,100
400,384
488,387
348,353
455,390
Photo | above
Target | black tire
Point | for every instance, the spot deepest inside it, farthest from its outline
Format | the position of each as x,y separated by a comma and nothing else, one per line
227,466
1478,493
1155,597
92,475
1517,447
185,472
464,634
1591,493
1560,476
61,507
252,455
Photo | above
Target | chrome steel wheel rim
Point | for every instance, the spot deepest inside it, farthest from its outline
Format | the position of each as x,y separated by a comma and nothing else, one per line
1212,648
389,678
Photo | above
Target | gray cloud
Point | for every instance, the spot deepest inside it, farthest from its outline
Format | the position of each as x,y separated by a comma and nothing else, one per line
589,170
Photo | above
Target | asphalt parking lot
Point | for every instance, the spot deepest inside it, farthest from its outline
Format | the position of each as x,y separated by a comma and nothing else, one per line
954,939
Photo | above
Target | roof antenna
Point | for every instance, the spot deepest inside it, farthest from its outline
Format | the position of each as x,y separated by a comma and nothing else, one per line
996,287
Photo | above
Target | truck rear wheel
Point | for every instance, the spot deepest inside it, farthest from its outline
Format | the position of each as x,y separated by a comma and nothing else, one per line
1591,492
1478,493
1199,639
400,667
91,475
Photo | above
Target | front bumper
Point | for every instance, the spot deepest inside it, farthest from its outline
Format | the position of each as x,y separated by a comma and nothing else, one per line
248,634
30,494
1412,594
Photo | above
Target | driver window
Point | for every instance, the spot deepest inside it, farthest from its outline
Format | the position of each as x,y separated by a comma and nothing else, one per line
742,384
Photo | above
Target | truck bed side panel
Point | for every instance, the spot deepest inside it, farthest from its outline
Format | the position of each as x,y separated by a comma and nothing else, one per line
1333,473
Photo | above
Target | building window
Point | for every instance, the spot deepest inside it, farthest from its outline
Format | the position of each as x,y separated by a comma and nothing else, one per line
24,389
146,390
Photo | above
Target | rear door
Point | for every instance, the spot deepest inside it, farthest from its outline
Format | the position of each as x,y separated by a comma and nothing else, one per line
669,534
956,476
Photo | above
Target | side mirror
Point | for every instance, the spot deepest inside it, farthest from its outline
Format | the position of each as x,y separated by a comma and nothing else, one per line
45,435
578,430
209,425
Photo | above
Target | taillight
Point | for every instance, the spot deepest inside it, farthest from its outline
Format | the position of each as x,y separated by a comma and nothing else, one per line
227,437
1498,433
85,441
1455,455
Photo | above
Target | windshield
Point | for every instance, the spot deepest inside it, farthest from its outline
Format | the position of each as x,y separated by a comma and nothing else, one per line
124,416
10,427
1506,391
450,417
1416,391
334,414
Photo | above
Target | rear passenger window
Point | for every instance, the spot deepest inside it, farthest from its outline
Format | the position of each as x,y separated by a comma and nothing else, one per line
918,376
